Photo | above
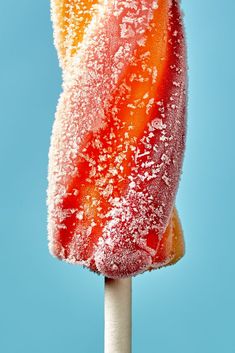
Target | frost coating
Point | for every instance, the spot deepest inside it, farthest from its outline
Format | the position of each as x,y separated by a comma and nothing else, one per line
118,137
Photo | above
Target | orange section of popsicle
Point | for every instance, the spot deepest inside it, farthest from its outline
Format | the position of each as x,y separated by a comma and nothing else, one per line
70,19
171,247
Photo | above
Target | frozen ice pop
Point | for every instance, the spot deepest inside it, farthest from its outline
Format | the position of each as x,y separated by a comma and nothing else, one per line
119,135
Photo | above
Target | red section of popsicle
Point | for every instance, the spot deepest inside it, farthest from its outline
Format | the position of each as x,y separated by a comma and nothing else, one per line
118,140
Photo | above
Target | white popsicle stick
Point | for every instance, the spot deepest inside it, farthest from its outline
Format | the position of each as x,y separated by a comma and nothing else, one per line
117,314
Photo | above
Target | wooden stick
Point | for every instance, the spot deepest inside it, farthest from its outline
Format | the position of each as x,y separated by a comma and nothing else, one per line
117,314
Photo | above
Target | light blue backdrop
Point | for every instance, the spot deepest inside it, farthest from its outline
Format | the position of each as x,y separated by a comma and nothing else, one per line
49,306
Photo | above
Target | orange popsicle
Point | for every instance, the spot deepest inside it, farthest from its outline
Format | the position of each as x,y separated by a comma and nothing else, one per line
118,138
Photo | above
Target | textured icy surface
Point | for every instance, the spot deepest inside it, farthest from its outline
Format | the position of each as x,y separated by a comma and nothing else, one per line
118,137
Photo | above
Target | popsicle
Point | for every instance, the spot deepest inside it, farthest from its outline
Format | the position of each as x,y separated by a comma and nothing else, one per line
119,135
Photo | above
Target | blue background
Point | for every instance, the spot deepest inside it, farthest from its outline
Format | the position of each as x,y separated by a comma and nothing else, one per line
49,306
